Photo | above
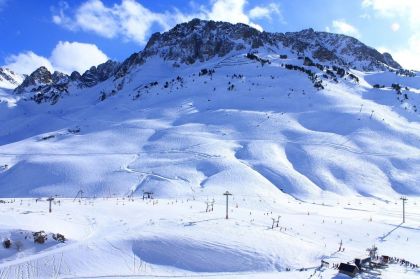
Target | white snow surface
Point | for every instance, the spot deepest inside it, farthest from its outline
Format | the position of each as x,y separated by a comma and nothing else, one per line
274,141
176,238
9,79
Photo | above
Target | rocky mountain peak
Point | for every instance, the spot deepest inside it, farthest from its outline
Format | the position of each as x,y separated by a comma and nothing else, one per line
45,86
40,76
9,79
337,49
97,74
201,40
198,41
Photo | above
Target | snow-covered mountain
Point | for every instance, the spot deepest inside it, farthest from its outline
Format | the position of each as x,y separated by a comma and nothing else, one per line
200,40
211,106
9,79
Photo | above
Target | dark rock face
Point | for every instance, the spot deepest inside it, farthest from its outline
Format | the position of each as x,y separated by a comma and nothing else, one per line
40,76
47,87
58,78
337,49
199,41
134,59
74,76
390,61
98,74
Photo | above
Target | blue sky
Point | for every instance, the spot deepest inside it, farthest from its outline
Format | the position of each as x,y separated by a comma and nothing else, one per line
72,35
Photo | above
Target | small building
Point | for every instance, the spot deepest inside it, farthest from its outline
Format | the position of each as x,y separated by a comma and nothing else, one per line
147,195
348,269
362,262
385,259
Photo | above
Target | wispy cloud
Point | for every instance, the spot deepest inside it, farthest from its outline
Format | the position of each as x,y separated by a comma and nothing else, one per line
132,21
342,27
409,56
26,62
65,57
395,9
402,10
267,12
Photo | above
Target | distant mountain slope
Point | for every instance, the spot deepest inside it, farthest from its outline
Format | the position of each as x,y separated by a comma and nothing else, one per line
199,40
255,120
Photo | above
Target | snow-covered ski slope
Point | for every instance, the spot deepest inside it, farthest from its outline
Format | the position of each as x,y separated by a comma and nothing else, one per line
332,163
177,238
248,128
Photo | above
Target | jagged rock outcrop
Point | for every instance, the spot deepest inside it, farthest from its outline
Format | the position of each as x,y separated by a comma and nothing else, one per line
41,76
390,61
98,74
200,40
47,87
337,49
134,59
9,79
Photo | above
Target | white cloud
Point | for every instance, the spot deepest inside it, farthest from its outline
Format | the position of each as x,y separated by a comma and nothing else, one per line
409,57
265,12
231,11
129,19
402,10
26,62
132,21
74,56
342,27
65,57
392,9
94,16
383,49
135,20
395,26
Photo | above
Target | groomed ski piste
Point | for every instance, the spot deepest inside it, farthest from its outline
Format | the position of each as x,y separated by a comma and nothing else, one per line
329,164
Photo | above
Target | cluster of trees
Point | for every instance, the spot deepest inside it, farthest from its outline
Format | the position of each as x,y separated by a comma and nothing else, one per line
312,76
231,86
259,59
178,79
407,73
104,95
338,71
153,83
238,76
206,72
397,87
39,237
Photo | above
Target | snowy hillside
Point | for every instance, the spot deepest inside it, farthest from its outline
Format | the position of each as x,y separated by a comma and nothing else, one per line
9,79
232,123
316,130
